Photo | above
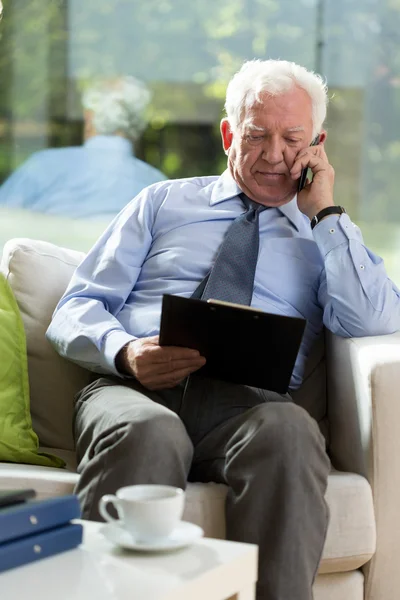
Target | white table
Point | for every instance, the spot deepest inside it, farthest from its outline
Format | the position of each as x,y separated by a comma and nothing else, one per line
207,570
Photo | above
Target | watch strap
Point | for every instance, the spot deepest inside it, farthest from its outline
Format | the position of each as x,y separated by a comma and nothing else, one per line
329,210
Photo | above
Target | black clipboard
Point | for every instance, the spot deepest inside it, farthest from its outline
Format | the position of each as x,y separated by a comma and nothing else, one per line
241,344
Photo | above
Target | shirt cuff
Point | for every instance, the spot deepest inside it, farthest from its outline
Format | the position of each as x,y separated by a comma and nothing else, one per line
111,345
333,231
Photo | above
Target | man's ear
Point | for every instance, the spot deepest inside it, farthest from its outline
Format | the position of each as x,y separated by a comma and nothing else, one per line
322,137
226,134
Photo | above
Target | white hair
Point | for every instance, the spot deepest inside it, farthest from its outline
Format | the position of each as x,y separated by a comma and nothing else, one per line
274,77
118,106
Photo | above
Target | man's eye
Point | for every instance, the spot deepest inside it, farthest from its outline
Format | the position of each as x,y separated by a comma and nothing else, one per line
292,141
255,138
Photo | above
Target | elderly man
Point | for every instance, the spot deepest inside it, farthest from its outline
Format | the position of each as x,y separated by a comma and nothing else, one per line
100,177
146,420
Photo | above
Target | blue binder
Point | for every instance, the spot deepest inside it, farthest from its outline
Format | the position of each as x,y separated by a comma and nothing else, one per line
30,518
42,545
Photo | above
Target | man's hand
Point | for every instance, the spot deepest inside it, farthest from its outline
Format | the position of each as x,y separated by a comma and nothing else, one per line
157,367
319,193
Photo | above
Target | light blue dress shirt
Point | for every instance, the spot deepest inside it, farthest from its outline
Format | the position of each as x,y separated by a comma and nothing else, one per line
165,241
93,180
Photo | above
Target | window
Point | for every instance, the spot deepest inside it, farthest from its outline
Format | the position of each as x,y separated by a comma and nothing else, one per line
185,52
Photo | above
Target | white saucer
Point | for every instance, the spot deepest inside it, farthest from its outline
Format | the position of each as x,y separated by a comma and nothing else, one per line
184,534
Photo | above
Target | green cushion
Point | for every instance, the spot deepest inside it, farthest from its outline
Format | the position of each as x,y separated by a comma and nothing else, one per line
18,442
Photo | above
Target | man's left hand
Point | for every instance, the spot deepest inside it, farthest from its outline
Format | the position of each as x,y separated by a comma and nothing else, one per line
317,194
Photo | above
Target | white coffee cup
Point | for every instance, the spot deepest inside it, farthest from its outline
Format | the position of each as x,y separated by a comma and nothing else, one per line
147,512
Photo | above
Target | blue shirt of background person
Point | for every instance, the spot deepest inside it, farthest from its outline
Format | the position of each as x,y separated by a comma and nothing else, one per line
98,178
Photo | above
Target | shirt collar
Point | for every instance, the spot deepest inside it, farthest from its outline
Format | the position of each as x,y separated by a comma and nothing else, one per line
226,188
113,143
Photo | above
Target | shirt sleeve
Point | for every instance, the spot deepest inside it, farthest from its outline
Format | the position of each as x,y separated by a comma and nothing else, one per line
357,296
85,327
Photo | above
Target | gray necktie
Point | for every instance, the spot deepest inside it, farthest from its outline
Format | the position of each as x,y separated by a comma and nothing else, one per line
232,276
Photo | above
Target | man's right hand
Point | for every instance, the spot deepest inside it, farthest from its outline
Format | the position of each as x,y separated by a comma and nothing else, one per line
157,367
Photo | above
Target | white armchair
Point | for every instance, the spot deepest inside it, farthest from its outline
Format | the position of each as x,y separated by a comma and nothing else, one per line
354,399
364,419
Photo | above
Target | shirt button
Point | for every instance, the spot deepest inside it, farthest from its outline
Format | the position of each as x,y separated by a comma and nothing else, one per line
332,231
362,267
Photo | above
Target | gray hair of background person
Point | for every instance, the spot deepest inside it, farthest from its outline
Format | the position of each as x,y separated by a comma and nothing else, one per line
274,77
118,106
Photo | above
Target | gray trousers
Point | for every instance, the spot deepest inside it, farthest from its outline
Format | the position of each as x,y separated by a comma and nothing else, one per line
267,450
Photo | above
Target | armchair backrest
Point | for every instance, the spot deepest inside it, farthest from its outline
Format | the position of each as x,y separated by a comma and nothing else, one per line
39,273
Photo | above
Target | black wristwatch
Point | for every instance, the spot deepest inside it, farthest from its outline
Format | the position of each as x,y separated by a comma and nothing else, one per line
330,210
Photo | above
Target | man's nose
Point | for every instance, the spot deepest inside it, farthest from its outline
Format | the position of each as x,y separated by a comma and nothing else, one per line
273,151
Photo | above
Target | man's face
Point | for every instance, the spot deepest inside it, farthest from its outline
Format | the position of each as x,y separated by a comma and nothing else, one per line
263,149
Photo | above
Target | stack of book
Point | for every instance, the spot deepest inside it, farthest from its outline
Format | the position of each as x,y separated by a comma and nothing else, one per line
33,530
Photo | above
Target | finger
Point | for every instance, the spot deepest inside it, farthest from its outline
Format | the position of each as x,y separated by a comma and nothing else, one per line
161,354
322,153
179,364
314,162
169,380
153,339
309,152
151,371
318,149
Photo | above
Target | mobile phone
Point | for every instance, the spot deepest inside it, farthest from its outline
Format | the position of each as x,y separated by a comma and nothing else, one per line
303,175
10,497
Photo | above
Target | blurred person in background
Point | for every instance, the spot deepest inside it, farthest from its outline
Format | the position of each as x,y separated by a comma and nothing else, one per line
100,177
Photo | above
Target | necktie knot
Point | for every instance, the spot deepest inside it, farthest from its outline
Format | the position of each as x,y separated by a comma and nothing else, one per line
253,208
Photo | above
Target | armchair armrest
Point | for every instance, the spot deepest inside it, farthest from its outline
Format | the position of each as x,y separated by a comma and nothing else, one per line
363,376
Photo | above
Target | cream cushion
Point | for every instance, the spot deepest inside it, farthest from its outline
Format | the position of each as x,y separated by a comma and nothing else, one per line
339,586
38,273
351,537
